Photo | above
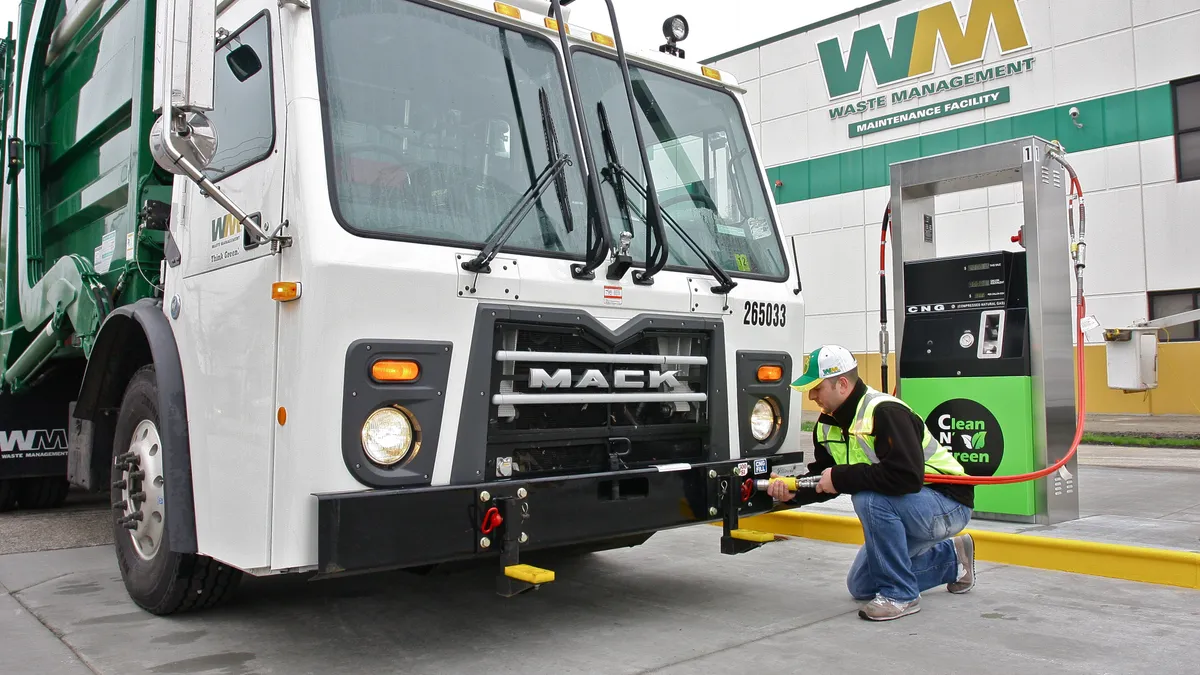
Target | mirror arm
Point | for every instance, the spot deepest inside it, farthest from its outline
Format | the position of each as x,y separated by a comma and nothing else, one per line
175,120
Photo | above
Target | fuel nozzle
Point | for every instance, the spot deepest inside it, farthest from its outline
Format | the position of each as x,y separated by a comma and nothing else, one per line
792,483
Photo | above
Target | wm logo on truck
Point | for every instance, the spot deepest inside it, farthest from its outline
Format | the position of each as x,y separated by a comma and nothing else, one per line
33,440
915,42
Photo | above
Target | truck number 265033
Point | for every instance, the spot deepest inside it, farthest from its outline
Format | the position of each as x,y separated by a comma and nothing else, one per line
765,314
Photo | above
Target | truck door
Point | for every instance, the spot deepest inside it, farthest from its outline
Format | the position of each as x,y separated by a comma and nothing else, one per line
226,318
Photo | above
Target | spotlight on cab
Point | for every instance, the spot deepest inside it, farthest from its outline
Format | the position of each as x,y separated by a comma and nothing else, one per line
675,29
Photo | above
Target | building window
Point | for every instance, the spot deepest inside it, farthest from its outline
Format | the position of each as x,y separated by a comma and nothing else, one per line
1186,99
1168,303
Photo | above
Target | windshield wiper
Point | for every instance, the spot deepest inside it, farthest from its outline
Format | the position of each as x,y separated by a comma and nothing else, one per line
549,175
618,174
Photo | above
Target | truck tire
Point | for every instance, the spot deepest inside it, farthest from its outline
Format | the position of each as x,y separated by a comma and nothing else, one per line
159,580
8,495
48,492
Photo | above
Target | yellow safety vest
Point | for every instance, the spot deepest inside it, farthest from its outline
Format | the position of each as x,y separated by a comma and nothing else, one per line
937,458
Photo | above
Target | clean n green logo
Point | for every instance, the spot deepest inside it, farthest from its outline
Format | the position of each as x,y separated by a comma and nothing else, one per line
915,42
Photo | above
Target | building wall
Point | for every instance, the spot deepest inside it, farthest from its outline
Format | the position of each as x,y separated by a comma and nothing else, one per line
1112,59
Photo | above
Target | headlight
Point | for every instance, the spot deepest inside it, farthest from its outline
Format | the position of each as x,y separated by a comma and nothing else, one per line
387,436
764,419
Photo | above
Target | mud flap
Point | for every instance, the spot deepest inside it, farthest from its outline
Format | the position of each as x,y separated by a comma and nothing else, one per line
34,424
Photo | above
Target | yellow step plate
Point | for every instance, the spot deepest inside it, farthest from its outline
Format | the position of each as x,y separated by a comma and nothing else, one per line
529,574
752,535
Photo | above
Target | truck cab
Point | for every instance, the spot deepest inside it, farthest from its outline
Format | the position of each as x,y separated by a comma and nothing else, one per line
335,287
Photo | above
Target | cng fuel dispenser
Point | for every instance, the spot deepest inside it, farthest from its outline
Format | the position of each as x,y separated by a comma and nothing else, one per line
984,340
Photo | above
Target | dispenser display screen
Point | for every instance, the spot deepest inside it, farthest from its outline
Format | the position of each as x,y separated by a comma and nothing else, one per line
972,282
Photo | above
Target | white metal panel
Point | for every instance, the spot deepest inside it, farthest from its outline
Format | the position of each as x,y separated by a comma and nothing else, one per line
1115,252
1167,50
1092,68
752,100
1158,160
825,213
1172,237
787,53
1074,20
794,218
785,93
1115,310
961,233
1092,168
875,201
1003,195
834,267
1124,166
972,199
1035,14
850,207
848,330
1147,11
785,140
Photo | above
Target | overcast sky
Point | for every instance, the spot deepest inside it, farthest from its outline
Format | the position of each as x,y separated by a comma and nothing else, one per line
716,25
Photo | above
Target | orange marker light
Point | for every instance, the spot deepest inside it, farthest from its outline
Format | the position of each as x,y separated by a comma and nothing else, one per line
395,371
770,373
281,416
711,72
507,10
285,291
603,39
552,24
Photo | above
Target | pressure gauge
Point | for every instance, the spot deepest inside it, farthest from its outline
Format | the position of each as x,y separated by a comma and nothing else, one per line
966,340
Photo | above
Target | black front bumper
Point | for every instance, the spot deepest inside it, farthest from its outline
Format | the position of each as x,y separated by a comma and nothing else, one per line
387,529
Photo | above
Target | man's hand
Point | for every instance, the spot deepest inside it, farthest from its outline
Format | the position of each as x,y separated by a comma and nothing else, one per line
826,484
777,491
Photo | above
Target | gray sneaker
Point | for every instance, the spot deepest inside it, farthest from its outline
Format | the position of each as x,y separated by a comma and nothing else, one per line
886,609
964,546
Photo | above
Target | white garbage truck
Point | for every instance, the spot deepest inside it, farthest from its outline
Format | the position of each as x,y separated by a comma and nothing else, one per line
338,286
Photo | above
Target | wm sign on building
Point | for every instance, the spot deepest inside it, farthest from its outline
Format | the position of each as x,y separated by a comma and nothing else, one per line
916,40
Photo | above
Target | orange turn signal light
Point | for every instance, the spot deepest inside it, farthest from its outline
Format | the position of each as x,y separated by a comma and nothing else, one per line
507,10
770,373
395,371
602,39
285,291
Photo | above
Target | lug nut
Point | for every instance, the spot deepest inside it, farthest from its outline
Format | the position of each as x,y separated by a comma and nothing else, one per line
484,542
521,493
485,496
712,473
712,510
523,538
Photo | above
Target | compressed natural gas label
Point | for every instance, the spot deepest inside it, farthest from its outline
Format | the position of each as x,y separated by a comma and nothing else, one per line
103,255
930,112
613,295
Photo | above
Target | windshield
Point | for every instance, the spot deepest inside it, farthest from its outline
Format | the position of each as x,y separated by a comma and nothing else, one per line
435,126
704,172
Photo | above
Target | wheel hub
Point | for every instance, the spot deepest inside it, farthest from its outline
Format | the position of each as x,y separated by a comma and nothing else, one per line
142,490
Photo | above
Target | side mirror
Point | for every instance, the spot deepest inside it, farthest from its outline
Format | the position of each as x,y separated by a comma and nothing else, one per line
196,143
189,27
243,62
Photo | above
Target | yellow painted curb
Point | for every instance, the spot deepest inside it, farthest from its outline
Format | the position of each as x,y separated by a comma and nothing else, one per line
1135,563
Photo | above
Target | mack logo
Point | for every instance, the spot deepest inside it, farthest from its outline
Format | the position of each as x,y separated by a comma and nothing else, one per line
34,440
622,379
915,43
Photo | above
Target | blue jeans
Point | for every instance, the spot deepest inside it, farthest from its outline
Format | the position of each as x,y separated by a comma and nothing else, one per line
907,548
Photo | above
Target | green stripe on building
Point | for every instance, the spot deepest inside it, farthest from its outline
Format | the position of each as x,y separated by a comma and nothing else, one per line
1107,121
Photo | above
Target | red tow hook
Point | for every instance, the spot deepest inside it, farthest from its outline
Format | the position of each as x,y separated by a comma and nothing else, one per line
491,520
747,489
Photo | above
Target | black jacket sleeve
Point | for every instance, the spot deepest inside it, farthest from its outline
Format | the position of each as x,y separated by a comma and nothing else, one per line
901,467
821,460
